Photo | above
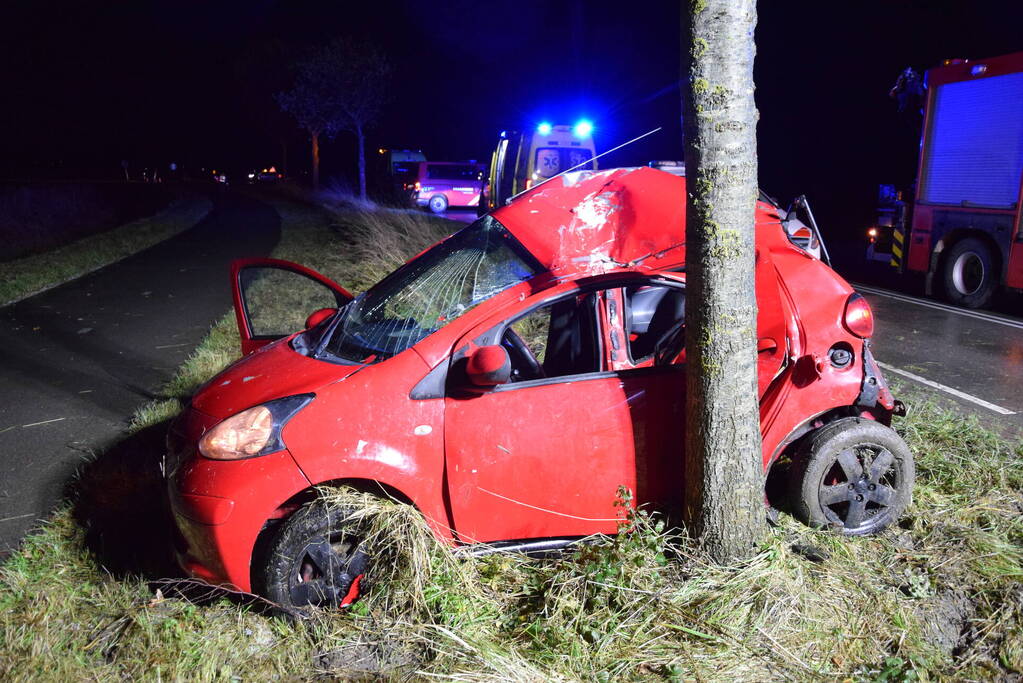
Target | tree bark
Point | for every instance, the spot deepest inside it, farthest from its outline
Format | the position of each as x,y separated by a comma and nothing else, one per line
316,161
362,162
724,476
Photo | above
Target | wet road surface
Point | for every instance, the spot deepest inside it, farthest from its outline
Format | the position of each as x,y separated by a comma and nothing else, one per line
972,358
79,359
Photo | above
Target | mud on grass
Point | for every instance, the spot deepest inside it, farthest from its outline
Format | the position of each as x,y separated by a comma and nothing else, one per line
936,597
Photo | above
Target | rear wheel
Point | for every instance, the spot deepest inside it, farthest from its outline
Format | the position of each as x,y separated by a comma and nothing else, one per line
316,559
969,274
854,476
438,203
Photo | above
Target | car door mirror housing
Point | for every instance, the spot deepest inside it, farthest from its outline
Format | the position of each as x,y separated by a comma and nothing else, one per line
318,316
488,366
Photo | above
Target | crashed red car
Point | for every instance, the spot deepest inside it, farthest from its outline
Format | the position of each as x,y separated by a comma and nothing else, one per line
507,381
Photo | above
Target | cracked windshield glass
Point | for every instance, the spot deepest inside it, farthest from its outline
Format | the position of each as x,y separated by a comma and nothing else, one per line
426,294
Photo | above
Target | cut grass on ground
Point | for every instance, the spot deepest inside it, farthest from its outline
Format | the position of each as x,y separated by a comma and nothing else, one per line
938,597
30,275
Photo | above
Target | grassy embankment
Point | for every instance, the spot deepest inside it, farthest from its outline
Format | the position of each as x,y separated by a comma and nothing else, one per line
938,597
23,277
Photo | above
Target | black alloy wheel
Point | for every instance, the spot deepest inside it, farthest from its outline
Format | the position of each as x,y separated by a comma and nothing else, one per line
854,476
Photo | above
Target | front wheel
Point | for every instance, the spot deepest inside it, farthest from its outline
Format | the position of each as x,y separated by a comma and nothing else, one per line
316,559
854,476
969,274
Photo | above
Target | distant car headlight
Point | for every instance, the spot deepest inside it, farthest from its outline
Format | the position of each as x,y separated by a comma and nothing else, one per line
252,432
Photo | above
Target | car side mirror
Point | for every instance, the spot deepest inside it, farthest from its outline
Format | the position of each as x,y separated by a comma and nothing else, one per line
318,316
488,366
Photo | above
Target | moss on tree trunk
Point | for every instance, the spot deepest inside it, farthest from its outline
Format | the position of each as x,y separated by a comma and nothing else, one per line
724,476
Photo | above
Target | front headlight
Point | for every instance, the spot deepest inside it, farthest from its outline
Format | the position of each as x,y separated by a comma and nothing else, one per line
252,432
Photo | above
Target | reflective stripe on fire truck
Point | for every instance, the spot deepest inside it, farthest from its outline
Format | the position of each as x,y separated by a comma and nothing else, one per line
898,242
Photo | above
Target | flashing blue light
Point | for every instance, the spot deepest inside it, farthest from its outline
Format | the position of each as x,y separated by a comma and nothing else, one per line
582,129
544,128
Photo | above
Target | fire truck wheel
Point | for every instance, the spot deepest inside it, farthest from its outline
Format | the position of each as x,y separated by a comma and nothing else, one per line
316,559
854,476
438,203
969,274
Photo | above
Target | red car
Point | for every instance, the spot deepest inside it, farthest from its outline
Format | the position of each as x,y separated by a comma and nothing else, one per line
506,382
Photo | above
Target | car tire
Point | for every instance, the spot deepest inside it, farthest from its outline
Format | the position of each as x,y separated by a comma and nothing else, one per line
854,476
315,559
969,274
438,203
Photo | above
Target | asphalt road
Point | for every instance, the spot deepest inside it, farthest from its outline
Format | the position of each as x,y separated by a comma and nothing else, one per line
973,359
79,359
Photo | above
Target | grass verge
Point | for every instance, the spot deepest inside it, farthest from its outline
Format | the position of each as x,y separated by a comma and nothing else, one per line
33,274
938,597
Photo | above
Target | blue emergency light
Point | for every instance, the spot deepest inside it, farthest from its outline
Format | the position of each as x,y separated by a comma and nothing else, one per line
582,129
544,128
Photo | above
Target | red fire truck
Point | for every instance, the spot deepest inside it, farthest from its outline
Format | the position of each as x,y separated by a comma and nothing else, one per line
962,226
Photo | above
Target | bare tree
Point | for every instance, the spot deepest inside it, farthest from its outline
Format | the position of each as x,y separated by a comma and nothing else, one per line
724,475
339,87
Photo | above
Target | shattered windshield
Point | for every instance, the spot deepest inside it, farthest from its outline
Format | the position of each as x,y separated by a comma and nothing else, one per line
427,293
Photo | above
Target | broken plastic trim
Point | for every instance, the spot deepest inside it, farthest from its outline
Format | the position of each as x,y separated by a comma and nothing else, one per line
870,389
538,547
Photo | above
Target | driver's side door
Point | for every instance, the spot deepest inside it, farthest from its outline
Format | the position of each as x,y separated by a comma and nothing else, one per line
274,298
542,455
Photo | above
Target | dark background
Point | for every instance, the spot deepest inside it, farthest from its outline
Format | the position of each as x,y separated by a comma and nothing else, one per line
87,85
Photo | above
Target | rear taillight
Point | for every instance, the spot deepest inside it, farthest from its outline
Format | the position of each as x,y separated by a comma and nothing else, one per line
858,319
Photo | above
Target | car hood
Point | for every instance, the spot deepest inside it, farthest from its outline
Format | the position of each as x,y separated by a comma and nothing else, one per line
587,223
272,372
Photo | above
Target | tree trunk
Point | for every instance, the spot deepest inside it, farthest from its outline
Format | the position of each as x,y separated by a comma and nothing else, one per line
724,476
316,161
362,162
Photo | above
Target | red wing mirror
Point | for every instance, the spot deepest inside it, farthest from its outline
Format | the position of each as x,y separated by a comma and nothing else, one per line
318,316
489,366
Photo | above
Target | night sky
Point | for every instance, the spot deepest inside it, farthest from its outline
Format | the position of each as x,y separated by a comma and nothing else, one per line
86,85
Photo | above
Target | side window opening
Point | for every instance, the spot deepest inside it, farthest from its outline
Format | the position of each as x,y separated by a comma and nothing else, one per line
654,322
555,340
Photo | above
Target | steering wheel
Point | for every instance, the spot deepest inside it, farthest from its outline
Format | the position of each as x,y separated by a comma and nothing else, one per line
520,352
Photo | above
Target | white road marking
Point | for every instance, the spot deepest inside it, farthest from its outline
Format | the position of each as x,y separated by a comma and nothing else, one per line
987,317
11,519
44,422
949,390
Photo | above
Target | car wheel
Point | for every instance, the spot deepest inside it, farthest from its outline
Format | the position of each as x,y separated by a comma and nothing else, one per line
969,274
854,476
438,203
316,559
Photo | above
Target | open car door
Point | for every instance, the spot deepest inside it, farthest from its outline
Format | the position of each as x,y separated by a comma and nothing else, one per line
274,298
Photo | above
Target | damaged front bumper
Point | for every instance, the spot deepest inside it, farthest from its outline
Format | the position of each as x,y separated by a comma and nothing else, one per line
218,506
